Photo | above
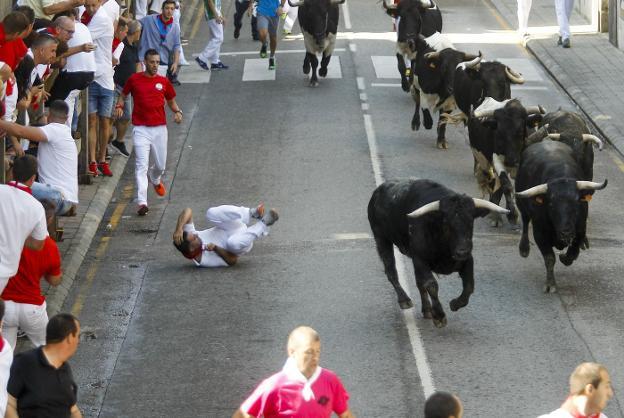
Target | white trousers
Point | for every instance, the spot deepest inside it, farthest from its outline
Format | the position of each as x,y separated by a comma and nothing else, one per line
564,11
32,319
235,221
71,102
524,8
291,16
149,141
210,54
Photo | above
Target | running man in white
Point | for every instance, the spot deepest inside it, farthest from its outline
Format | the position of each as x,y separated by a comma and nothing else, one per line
231,237
149,92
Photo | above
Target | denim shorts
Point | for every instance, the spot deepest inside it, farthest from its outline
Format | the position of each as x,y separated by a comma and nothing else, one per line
41,191
268,22
100,100
127,109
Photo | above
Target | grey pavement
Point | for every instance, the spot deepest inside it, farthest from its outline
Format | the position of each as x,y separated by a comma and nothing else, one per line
590,71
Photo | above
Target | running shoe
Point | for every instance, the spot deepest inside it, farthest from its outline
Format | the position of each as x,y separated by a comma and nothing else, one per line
105,169
120,147
270,218
160,189
202,64
219,66
93,169
263,53
142,211
271,63
236,33
257,212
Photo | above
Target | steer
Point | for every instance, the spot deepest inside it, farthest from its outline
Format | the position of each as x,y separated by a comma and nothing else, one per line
319,24
497,132
433,226
555,199
414,17
432,87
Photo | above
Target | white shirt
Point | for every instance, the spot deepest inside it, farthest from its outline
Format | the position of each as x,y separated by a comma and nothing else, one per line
6,359
101,28
215,236
39,69
21,216
82,61
112,8
560,413
58,160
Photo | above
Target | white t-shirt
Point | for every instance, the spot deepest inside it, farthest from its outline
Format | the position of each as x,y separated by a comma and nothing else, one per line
560,413
215,236
58,160
101,28
82,61
112,8
6,359
39,69
21,216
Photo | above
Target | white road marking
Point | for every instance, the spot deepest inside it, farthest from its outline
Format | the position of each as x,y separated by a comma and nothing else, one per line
192,74
514,87
352,47
347,16
352,235
284,51
334,69
385,66
385,85
418,348
257,69
365,106
360,83
523,66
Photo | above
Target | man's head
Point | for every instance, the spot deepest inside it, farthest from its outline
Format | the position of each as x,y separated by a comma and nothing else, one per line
591,380
30,15
25,169
65,27
92,6
304,346
44,49
443,405
190,247
134,31
16,25
152,61
63,332
122,29
168,8
59,111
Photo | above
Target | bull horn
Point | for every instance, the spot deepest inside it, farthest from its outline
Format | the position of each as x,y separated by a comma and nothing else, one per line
296,3
426,4
429,207
513,76
334,2
591,185
385,5
554,137
594,139
534,191
432,55
535,109
486,204
470,62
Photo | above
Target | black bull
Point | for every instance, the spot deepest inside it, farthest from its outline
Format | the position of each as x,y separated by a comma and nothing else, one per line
319,24
555,199
433,226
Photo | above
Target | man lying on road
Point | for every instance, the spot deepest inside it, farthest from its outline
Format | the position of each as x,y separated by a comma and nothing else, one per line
231,237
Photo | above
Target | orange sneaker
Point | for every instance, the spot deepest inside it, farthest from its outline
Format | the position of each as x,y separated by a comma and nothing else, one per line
160,189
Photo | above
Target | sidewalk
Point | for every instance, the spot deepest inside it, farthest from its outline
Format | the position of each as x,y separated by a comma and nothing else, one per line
591,71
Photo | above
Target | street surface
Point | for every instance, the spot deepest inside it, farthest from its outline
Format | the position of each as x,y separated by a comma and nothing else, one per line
165,339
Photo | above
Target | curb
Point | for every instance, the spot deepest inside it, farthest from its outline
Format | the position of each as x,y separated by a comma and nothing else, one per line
56,296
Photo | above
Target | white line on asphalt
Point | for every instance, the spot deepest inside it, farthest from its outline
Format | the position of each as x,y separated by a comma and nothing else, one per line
352,235
352,47
363,97
418,348
530,88
287,51
347,16
385,85
365,106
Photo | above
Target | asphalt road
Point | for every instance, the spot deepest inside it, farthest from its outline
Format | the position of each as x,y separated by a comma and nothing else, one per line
165,339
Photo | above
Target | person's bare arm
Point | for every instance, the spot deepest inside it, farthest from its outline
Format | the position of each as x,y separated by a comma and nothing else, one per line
62,6
185,217
28,132
347,414
34,244
11,410
228,257
54,280
75,412
86,47
176,109
241,414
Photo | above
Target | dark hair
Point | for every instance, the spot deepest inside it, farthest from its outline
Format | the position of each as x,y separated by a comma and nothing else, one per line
42,40
1,309
15,22
60,327
185,246
26,11
122,23
150,52
22,76
168,2
68,13
59,109
24,168
441,405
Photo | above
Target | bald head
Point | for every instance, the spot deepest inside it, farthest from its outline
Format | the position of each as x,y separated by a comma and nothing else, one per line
301,336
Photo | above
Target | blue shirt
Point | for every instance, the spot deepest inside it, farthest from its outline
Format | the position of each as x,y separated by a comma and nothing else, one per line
268,7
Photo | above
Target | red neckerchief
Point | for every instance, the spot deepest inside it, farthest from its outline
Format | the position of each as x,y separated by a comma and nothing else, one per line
20,186
116,43
166,22
577,414
1,343
163,27
85,18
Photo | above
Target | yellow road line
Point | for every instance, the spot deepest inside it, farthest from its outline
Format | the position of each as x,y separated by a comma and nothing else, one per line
617,160
497,16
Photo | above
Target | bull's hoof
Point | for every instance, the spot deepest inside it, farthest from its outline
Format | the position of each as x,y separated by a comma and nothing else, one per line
565,260
456,305
306,69
524,248
323,71
426,313
512,217
495,220
585,244
550,288
428,123
314,83
415,124
442,144
406,304
440,323
405,85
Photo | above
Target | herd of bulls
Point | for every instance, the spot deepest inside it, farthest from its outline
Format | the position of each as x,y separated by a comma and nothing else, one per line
549,157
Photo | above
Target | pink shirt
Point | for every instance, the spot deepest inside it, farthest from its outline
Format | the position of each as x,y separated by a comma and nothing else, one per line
281,397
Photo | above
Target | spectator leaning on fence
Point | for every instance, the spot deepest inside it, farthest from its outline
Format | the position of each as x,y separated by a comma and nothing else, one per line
22,218
25,307
161,33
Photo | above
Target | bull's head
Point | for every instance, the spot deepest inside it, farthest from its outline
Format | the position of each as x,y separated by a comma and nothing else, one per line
495,77
457,213
409,12
565,199
319,16
509,120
